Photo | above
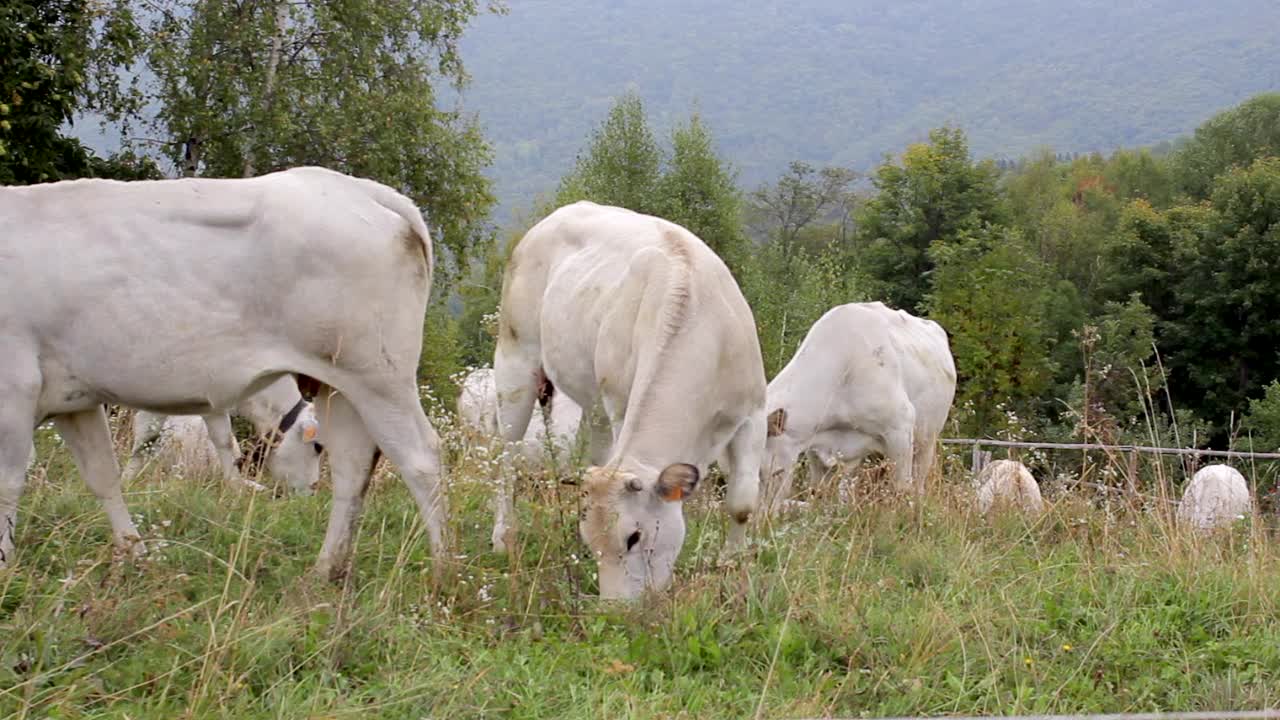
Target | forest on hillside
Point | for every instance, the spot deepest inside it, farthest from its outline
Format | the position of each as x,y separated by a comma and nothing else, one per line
842,83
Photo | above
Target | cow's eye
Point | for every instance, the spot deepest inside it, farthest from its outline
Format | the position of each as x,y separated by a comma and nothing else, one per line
632,539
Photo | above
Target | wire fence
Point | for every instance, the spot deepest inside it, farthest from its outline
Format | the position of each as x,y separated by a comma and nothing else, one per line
1123,457
1237,454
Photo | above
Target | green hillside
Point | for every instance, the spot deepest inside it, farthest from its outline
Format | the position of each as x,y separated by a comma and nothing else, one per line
844,82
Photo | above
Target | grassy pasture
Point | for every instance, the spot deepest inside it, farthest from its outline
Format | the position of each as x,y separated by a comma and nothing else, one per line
869,607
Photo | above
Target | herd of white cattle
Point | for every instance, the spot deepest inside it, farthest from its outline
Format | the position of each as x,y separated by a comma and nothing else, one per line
191,300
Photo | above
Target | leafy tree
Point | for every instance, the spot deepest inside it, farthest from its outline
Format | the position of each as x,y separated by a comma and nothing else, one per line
1227,295
993,297
1234,138
698,191
1262,423
250,87
787,302
622,163
58,57
803,197
936,194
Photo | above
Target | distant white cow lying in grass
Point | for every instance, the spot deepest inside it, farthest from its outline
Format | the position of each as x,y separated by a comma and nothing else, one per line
866,379
286,429
1008,484
478,409
1216,496
636,314
187,296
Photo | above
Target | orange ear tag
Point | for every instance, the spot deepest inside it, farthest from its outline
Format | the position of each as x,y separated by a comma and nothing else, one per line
675,493
309,433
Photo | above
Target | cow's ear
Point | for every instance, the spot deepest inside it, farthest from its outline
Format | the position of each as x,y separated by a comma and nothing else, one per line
777,422
676,482
310,429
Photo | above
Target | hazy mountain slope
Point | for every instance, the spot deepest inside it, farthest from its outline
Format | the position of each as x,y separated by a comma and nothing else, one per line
835,81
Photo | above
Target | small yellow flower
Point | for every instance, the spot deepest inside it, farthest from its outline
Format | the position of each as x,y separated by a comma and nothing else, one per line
1066,647
1028,661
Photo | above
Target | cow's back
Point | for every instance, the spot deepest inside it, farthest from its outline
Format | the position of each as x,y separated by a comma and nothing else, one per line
127,288
583,283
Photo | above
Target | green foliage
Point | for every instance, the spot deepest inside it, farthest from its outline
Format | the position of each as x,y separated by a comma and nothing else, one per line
801,202
55,62
937,195
1262,423
246,88
481,293
621,165
788,294
442,353
698,191
1231,139
1225,335
993,298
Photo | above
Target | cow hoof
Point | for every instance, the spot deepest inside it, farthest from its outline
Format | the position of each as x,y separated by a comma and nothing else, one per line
131,548
328,571
502,539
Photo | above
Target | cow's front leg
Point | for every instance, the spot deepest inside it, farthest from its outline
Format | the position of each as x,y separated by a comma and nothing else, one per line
742,493
228,450
89,438
351,460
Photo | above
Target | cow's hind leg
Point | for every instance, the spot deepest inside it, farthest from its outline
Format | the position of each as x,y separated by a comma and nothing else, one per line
897,443
89,438
742,492
922,463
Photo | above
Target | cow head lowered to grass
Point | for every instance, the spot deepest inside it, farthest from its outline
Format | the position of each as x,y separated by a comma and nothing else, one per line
634,525
639,323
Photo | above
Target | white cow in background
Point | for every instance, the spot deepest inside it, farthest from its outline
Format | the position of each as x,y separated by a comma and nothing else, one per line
636,316
1008,483
866,379
478,408
1216,496
188,296
286,429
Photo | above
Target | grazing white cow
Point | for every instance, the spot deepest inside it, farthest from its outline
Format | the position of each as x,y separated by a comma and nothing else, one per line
286,428
478,408
188,296
866,379
1008,483
637,314
1216,496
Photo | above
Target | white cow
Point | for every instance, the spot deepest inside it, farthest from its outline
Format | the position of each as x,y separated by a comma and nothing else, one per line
1216,496
478,408
284,422
866,379
188,296
636,313
1008,483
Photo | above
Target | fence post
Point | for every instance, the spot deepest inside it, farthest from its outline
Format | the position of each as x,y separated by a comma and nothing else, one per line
980,459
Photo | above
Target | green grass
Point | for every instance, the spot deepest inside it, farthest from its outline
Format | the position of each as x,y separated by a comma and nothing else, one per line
870,608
